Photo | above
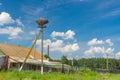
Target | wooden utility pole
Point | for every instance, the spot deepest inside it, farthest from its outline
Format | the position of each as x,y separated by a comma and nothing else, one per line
37,36
48,52
41,23
107,62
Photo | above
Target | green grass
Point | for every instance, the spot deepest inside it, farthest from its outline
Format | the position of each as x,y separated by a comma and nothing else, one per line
35,75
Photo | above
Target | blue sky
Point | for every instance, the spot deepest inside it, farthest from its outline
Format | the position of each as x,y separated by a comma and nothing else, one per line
76,28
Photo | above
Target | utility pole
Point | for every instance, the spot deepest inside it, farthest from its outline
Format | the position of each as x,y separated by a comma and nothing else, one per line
72,62
48,52
41,23
107,62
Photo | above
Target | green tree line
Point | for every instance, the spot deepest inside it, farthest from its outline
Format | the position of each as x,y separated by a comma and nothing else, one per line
99,63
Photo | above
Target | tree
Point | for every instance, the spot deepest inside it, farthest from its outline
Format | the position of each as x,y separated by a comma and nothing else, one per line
64,60
46,56
75,62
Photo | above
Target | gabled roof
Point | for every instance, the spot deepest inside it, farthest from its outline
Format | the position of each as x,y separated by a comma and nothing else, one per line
18,51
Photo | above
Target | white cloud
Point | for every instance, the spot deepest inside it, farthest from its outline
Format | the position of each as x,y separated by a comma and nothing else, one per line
100,50
108,41
99,46
118,55
12,32
57,43
70,48
55,34
93,50
54,46
18,21
65,35
60,46
95,42
69,34
5,18
109,50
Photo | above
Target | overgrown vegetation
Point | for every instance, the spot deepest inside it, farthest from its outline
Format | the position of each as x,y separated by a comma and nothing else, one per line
35,75
99,63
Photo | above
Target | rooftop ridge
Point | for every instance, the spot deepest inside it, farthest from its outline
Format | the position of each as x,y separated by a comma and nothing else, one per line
19,51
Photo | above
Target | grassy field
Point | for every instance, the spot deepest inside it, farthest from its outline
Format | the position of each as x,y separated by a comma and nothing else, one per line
32,75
